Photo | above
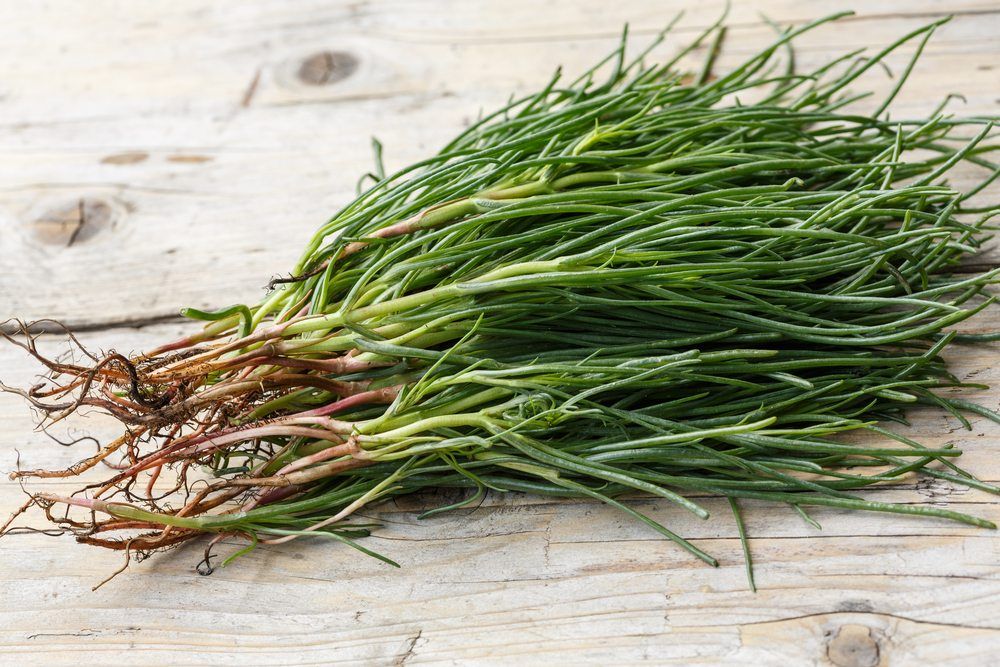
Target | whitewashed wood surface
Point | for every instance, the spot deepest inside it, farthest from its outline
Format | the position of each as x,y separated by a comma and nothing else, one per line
161,154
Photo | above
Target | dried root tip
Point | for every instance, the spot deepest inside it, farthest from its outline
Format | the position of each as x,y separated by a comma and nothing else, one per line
30,502
81,467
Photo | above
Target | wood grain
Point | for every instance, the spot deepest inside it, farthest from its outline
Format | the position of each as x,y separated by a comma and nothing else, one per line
181,153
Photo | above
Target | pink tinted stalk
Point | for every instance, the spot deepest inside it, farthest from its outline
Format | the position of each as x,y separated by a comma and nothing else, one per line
383,395
348,448
271,496
215,442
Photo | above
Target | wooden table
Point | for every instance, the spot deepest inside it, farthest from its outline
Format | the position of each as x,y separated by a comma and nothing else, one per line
156,155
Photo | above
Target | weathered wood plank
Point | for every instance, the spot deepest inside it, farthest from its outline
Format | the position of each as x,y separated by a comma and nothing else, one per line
203,161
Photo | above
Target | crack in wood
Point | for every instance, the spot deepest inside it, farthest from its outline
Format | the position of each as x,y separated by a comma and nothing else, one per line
898,617
81,633
250,90
51,326
81,221
409,649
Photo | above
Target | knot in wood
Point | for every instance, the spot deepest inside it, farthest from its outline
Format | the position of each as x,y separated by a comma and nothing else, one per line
853,646
326,67
74,222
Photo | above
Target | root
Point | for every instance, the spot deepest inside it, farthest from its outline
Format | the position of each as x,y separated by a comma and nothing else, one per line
186,405
81,467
